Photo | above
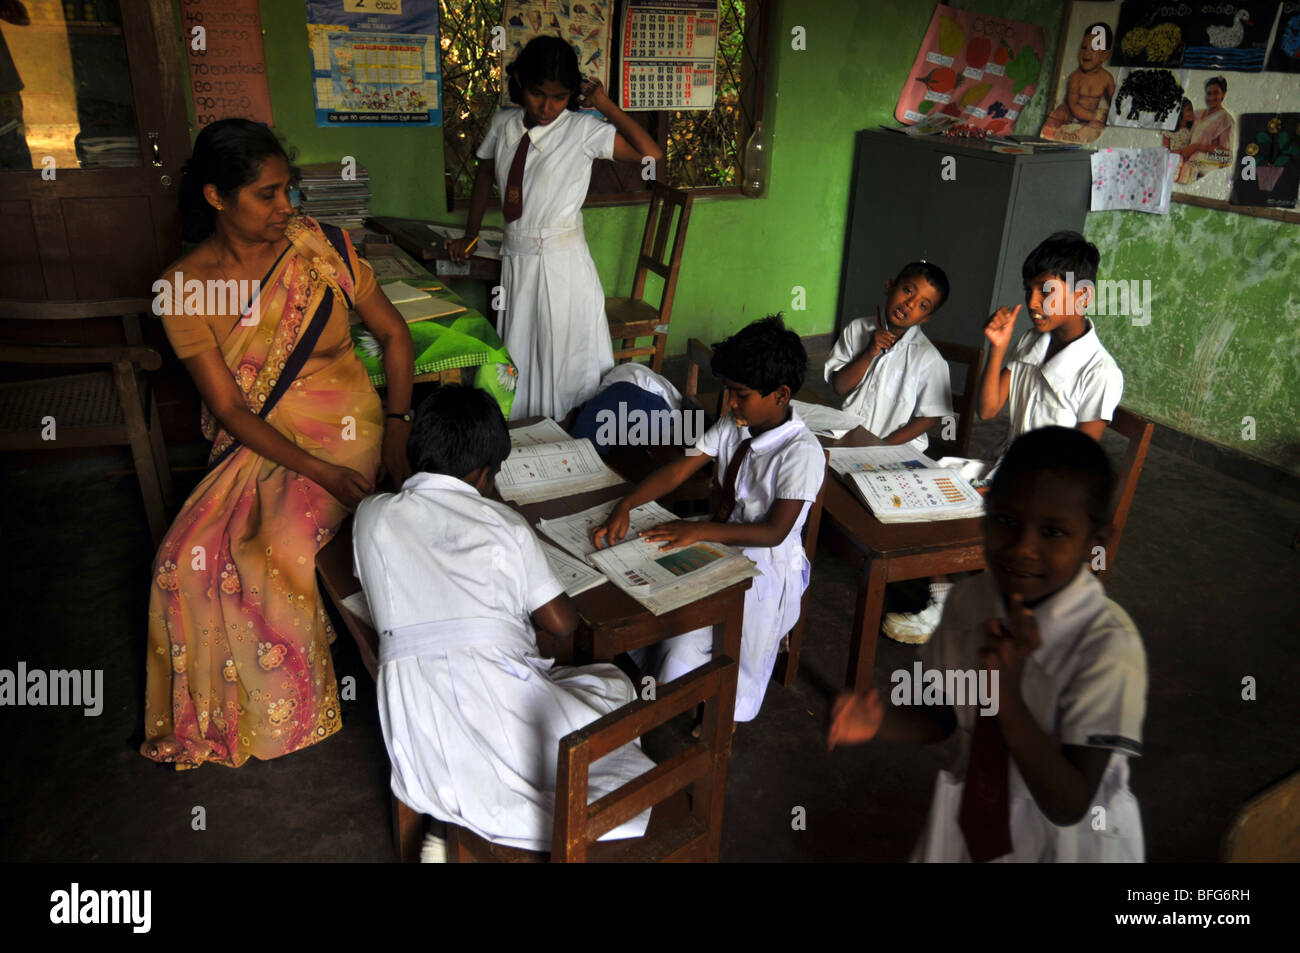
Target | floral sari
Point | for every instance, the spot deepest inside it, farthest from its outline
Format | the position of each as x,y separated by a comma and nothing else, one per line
238,660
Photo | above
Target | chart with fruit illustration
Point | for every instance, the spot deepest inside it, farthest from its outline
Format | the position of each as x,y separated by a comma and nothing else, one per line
980,69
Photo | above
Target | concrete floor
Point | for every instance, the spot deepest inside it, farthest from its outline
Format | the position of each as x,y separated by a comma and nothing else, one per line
1205,569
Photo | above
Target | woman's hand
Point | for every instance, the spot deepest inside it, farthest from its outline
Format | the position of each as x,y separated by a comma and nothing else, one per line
855,719
674,535
393,458
346,485
458,248
613,529
1000,327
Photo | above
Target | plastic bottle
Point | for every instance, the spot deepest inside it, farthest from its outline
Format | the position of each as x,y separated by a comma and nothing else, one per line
756,156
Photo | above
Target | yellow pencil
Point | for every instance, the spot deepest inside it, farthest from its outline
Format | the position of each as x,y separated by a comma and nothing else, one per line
470,247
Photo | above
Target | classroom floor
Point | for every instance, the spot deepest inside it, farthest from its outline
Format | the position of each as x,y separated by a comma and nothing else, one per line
1205,569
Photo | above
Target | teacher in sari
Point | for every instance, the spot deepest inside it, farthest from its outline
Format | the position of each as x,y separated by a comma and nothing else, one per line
238,661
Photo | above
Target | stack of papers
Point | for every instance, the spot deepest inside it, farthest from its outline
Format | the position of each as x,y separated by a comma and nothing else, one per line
103,152
489,240
328,197
826,421
903,486
416,305
660,581
545,471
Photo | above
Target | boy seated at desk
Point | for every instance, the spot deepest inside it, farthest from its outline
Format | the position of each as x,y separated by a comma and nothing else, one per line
771,469
472,715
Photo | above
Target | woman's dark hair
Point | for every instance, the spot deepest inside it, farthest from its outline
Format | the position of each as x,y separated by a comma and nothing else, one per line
931,273
544,58
1218,81
1066,452
229,154
1062,254
762,356
457,429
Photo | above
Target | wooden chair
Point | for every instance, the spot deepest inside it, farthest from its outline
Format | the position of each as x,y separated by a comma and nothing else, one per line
683,827
1137,430
787,662
113,407
963,404
633,317
1267,828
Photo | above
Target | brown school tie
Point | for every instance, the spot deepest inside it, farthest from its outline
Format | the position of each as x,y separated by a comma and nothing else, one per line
728,500
512,206
985,813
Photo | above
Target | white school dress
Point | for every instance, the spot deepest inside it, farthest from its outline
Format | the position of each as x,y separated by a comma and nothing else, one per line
554,324
1085,685
1081,382
785,463
472,715
908,380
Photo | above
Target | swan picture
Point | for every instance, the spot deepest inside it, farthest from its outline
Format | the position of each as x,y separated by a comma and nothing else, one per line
1227,37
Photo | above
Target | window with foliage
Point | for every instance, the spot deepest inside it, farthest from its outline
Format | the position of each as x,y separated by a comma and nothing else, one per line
704,149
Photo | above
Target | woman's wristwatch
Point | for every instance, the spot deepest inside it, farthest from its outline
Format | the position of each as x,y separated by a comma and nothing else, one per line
405,418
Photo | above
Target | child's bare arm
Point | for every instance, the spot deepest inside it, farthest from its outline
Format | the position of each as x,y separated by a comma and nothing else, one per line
911,430
859,718
664,480
557,617
780,520
851,374
996,382
1093,428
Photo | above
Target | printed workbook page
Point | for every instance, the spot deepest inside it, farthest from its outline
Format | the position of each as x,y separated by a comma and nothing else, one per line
846,460
575,576
573,532
551,470
902,496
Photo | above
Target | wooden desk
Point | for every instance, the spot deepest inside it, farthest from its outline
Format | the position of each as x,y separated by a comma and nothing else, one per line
890,552
415,236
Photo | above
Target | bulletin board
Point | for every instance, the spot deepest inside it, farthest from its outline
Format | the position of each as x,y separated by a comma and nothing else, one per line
1260,73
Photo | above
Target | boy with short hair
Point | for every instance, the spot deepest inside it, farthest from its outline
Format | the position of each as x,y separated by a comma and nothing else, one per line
887,370
1028,780
770,470
472,715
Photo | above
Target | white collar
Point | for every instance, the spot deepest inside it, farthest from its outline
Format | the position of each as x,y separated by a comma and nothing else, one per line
1064,367
537,134
1061,617
777,437
427,482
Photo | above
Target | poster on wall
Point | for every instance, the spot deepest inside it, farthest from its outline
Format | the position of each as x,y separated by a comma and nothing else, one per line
228,75
1197,35
372,66
1285,55
1267,171
981,69
584,24
1205,134
1148,98
668,54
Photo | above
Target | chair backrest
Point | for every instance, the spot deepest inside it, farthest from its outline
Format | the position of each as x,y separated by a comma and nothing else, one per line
702,766
699,355
666,204
1137,430
1267,828
963,404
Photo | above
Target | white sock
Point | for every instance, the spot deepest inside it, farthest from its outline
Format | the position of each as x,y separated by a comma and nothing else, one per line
939,592
434,850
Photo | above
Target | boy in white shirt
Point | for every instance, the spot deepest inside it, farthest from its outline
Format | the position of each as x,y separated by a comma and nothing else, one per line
1041,774
1058,373
770,470
887,370
472,715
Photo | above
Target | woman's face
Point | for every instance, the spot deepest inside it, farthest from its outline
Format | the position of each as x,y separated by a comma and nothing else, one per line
1213,97
1189,114
545,101
261,209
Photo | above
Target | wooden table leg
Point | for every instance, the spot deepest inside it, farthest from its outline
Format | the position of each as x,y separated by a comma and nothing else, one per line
866,624
726,641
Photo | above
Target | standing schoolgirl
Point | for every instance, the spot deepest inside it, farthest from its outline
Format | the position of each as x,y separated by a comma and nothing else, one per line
554,319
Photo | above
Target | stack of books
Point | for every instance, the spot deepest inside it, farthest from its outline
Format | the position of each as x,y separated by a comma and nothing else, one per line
328,197
104,152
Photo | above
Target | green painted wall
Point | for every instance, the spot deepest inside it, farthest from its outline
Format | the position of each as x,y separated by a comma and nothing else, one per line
1224,341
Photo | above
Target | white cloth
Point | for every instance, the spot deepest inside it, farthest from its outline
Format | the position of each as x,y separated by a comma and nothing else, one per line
907,381
1085,685
472,716
785,463
646,379
1081,382
554,323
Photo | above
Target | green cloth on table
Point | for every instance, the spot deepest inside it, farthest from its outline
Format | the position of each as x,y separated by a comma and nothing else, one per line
462,340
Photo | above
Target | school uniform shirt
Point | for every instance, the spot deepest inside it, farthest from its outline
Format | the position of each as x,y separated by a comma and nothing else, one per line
1085,685
1081,382
554,323
785,463
909,380
472,715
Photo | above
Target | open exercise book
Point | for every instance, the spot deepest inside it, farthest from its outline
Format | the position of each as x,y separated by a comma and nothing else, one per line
824,420
659,581
546,463
903,486
416,305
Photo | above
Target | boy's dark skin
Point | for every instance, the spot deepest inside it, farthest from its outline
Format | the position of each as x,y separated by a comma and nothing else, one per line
761,413
1036,535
